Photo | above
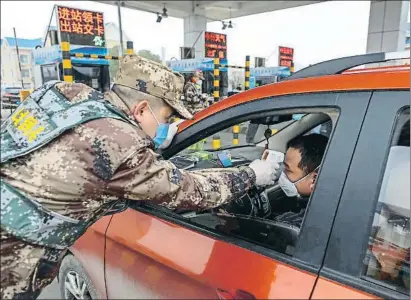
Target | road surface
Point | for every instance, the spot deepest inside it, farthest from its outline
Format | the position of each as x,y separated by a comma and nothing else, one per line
51,292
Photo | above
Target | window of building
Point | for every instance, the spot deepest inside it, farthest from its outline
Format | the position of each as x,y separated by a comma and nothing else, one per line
387,258
24,59
25,73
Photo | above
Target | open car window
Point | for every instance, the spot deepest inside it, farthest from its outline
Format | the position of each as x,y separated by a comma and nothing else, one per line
265,217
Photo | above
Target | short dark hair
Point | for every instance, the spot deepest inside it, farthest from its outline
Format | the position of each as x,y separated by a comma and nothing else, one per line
312,149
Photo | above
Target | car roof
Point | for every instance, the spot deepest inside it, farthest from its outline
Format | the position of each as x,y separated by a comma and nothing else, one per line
385,78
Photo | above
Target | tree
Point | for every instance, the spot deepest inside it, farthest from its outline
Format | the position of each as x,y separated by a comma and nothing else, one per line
149,55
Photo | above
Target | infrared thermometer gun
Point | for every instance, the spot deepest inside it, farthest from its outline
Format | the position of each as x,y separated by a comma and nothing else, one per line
276,156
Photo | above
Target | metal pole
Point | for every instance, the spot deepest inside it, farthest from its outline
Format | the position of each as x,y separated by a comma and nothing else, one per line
216,82
67,67
48,27
121,28
247,73
18,57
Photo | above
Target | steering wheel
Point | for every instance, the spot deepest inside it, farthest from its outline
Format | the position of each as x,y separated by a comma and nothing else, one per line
254,204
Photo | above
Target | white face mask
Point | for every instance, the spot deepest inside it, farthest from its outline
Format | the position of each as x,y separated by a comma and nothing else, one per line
289,188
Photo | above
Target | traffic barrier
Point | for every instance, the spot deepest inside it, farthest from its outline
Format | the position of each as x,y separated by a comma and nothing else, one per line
217,67
232,67
216,144
236,131
67,55
82,55
247,73
216,79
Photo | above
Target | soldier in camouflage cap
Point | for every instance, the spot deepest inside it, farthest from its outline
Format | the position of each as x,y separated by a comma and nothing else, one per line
95,162
193,99
153,79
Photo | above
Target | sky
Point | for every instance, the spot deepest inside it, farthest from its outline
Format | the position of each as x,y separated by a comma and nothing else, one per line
316,32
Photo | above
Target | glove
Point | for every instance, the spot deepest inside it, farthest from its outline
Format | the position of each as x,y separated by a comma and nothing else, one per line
172,130
265,171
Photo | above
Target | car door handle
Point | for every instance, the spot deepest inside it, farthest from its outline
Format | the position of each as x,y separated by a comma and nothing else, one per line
237,294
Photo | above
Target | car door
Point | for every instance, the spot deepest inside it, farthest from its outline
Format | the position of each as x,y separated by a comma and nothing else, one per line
354,266
151,253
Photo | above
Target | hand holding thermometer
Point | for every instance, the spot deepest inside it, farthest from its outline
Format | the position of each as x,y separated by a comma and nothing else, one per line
277,157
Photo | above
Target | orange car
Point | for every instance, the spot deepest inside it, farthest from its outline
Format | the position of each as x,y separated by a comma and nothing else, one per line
357,216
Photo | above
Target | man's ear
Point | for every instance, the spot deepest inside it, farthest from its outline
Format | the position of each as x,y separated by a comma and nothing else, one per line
140,109
313,179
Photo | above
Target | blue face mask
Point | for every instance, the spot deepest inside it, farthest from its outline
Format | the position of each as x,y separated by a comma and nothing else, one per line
161,134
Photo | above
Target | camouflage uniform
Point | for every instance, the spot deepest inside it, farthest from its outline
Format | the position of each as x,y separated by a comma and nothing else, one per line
101,161
193,100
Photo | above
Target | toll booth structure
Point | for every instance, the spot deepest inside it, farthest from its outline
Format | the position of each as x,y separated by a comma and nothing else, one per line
216,74
265,75
87,64
188,66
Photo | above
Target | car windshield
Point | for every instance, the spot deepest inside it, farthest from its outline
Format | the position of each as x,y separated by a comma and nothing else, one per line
249,135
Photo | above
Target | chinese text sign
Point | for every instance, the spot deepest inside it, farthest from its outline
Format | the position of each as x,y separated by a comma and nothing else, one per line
81,27
215,45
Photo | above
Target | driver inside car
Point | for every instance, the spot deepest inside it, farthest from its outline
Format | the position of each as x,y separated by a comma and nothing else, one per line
301,164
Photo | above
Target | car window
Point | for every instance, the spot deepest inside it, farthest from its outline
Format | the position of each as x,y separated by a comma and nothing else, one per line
387,259
266,217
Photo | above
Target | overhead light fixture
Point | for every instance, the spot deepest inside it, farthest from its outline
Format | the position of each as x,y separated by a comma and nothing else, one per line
224,25
230,24
165,15
159,18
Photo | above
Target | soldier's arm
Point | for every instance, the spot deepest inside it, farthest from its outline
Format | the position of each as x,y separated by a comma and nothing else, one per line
145,176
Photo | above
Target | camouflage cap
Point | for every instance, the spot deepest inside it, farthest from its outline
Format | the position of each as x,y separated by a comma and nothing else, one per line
154,79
